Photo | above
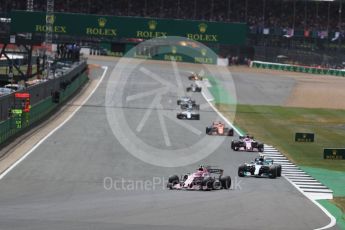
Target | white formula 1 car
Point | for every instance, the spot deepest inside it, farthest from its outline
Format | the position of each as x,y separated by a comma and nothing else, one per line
193,88
188,114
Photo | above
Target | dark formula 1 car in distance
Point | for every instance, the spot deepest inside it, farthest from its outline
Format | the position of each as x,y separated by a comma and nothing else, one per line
260,167
204,178
193,88
188,114
195,77
187,103
218,129
247,143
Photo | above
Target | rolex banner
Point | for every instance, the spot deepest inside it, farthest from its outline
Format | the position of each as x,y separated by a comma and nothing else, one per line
334,154
128,27
304,137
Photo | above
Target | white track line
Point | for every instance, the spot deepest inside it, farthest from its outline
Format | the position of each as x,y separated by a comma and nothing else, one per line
9,169
332,218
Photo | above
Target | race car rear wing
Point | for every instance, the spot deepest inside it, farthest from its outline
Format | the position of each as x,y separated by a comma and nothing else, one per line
215,171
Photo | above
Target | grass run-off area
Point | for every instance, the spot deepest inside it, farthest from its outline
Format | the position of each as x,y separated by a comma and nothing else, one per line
340,202
276,126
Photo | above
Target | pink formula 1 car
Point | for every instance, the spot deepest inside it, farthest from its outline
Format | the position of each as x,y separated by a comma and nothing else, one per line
205,178
247,143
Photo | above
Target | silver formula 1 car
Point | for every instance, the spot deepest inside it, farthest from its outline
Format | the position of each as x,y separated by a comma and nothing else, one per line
187,103
260,167
204,178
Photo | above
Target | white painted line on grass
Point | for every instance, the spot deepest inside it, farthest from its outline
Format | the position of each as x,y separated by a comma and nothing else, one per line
9,169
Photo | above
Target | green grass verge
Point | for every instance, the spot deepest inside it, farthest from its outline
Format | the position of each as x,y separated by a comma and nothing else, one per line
335,211
277,126
340,201
332,179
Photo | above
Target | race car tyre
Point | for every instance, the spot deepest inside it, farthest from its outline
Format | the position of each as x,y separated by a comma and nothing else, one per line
241,170
233,145
170,186
225,181
198,90
178,102
230,132
208,182
208,129
181,116
261,147
279,170
188,89
174,179
272,173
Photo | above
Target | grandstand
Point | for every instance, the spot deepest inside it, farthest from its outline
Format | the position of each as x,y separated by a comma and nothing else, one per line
307,14
307,32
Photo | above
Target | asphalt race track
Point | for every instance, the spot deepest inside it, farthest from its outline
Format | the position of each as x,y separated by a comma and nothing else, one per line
81,177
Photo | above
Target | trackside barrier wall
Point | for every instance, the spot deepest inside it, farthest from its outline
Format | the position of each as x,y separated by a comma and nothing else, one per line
42,90
296,68
39,110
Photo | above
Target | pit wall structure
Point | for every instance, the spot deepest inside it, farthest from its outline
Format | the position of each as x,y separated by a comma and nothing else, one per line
42,101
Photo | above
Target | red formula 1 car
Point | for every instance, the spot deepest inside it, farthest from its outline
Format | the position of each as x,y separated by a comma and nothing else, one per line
218,129
205,178
195,77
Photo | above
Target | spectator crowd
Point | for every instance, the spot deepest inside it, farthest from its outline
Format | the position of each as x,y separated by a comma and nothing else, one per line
296,14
